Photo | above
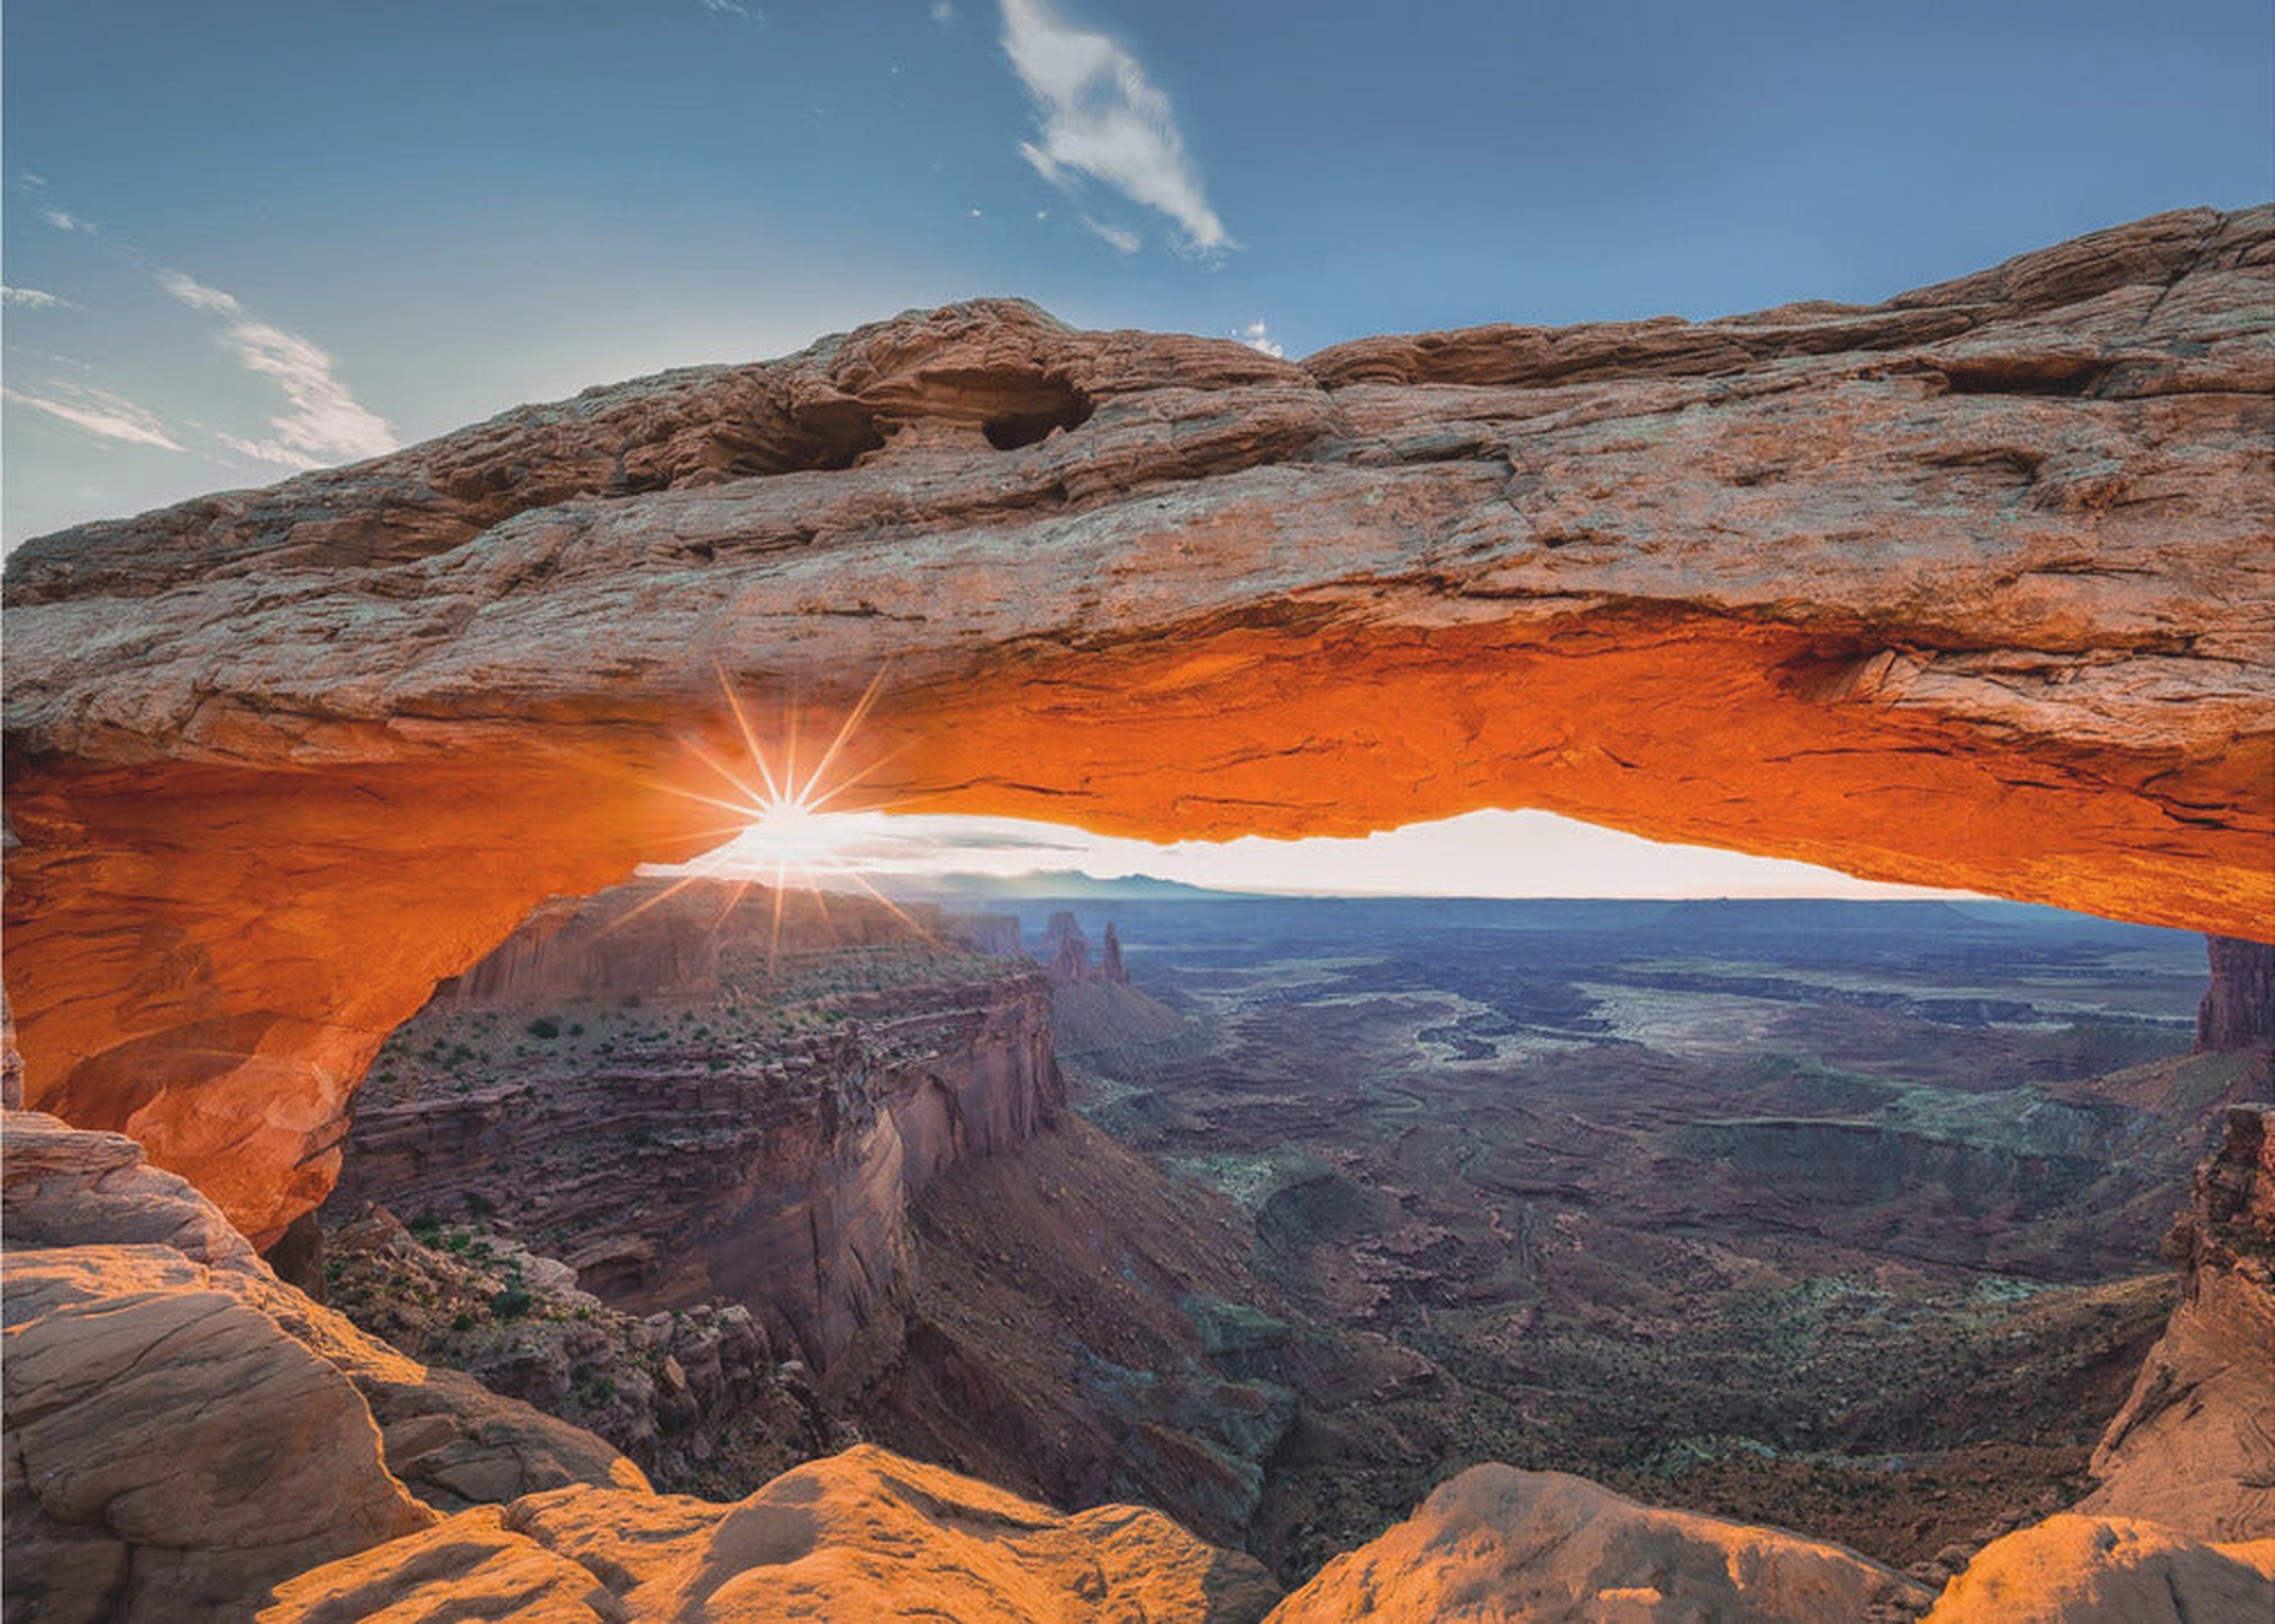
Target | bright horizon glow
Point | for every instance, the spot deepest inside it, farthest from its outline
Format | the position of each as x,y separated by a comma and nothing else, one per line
1484,854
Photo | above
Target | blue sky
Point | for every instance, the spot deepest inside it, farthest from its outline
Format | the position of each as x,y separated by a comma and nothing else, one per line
242,239
425,213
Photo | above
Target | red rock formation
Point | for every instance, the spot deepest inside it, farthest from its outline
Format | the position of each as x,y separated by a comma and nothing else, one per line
2194,1447
183,1430
1495,1542
2238,1011
1968,588
1066,950
864,1535
2073,1569
753,1132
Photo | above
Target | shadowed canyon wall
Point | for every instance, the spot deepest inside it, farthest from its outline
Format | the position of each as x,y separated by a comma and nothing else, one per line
1967,588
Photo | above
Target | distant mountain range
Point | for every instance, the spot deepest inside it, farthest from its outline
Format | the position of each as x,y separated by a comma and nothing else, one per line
1053,884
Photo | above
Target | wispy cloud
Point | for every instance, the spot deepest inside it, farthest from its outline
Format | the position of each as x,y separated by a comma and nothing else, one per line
64,221
1257,338
322,422
32,299
1116,238
195,294
942,12
106,415
1100,116
735,8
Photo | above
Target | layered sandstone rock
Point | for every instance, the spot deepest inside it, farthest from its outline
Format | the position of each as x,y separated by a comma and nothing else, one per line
2194,1448
1968,588
184,1429
695,1397
2075,1570
742,1116
864,1535
1496,1543
2238,1011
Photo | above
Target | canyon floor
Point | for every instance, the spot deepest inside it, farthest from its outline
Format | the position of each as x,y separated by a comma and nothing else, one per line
1837,1217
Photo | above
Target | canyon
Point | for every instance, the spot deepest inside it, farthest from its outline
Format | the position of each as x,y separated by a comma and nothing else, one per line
1968,588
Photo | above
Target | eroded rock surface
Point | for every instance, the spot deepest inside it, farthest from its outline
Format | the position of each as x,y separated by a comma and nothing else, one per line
744,1117
2194,1447
2075,1570
184,1429
864,1535
1496,1543
1969,587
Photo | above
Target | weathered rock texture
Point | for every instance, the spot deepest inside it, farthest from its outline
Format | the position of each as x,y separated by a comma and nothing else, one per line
695,1397
740,1114
183,1430
1499,1544
864,1535
2239,1007
1969,587
2194,1446
2073,1569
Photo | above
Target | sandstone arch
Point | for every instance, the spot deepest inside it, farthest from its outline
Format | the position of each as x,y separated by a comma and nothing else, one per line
1970,588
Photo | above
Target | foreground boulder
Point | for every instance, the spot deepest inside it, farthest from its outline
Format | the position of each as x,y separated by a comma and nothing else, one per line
1496,1544
2073,1569
169,1450
1966,588
864,1535
184,1429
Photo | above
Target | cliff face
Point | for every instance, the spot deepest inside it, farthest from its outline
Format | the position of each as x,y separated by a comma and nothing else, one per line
760,1145
2194,1447
1966,587
2239,1008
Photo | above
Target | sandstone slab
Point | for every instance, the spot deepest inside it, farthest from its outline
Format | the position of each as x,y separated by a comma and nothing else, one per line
1496,1545
2075,1569
862,1534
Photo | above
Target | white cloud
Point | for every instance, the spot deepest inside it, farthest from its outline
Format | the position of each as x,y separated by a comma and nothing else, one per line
1102,117
1114,237
1257,338
322,423
32,299
102,414
62,222
196,294
942,12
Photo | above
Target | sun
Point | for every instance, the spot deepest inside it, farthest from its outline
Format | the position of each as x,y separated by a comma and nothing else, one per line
786,834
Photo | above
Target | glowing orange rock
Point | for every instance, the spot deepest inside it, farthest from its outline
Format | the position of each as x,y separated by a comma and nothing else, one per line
1968,588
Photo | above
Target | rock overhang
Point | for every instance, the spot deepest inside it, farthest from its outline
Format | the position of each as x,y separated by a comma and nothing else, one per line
1968,588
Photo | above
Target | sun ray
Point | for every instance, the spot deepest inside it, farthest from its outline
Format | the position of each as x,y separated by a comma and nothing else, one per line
853,719
750,734
666,895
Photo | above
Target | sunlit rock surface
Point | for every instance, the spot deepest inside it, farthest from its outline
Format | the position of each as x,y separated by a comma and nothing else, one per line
760,1143
2075,1570
2194,1446
1969,587
862,1534
1499,1544
184,1429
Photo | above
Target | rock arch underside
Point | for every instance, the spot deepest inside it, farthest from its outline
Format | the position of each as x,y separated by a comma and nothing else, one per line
1968,588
